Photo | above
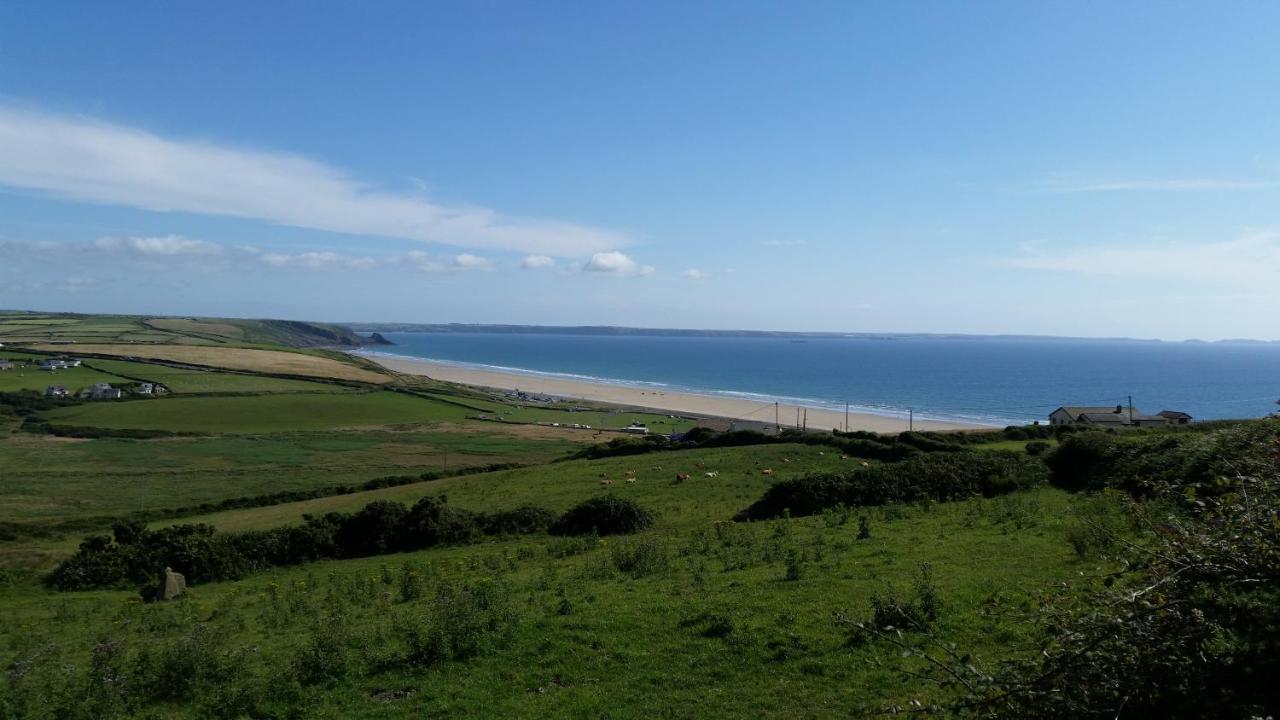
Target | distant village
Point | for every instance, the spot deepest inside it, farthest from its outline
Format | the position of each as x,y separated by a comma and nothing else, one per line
96,391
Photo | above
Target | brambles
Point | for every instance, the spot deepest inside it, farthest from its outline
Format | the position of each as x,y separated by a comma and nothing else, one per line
934,477
203,554
604,515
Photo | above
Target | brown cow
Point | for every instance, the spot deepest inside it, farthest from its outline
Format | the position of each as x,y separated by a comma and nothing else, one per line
767,471
681,477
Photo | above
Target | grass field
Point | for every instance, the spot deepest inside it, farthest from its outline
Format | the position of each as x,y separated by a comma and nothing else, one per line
48,480
73,379
181,380
713,628
560,485
268,413
254,360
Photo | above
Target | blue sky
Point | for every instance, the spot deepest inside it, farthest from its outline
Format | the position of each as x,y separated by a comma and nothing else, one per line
1048,168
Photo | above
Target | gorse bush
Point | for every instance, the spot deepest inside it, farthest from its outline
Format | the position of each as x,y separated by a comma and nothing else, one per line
1202,463
933,477
604,515
135,555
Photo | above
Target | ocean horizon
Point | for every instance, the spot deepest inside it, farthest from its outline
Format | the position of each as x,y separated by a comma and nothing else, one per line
982,380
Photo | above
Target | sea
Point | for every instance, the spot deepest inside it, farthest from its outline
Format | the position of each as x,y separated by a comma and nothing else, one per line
984,380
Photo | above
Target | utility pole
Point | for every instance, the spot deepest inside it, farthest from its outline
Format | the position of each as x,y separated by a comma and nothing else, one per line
911,418
797,418
805,426
777,421
1130,409
846,415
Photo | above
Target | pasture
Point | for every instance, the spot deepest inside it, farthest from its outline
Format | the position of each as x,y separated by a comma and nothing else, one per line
261,414
692,619
278,362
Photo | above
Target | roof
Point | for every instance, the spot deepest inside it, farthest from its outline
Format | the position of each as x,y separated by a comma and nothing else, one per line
1076,411
1106,418
1173,414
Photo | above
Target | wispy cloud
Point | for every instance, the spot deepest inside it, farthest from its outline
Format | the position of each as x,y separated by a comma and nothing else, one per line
85,159
467,261
535,262
694,274
616,262
1159,185
319,261
169,245
1251,259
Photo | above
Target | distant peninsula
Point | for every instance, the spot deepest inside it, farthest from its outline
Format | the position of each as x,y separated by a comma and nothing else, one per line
377,328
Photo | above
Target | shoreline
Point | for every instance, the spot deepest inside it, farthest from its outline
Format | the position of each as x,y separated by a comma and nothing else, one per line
674,402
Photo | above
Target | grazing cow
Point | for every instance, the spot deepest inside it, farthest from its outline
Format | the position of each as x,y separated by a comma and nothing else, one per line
606,482
786,460
630,473
767,471
603,476
681,477
711,474
866,464
631,480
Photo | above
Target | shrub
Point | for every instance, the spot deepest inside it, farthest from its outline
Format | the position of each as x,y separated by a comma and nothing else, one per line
934,477
640,558
459,623
604,515
1036,448
523,520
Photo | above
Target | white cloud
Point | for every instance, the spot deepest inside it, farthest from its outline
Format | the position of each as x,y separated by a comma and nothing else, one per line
319,261
694,274
1251,259
467,261
534,262
167,245
615,262
87,160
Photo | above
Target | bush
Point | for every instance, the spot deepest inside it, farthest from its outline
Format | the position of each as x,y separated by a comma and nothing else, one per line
1036,448
460,622
934,477
604,515
640,558
201,554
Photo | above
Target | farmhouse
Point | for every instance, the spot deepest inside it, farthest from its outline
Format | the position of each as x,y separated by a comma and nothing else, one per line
59,364
55,391
636,429
147,388
1114,416
102,391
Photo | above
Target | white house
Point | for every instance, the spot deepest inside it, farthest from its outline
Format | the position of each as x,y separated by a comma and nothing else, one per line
55,391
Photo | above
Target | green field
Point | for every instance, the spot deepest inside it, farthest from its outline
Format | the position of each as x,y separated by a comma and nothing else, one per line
73,379
184,381
560,485
270,413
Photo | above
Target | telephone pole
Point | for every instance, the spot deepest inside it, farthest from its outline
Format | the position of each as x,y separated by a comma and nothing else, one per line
1130,409
911,418
777,421
846,415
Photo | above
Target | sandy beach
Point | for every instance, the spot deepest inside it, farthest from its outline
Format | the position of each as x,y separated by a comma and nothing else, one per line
671,402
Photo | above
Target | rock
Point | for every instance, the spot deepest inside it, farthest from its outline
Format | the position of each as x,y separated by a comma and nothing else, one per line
172,585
